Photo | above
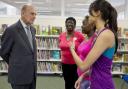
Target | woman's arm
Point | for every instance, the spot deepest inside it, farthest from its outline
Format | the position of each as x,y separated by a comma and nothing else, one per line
104,41
79,80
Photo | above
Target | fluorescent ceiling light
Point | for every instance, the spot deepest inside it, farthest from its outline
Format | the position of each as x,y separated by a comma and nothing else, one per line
44,11
38,2
76,9
81,4
29,2
76,12
48,1
21,2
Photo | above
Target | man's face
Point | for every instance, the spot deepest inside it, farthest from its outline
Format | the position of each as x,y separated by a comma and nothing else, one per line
29,15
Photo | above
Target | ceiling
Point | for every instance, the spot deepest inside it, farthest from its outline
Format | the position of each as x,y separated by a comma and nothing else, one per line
65,7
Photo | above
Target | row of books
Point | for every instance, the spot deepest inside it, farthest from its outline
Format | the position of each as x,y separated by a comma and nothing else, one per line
49,43
41,66
123,44
40,30
56,30
48,67
122,32
121,57
120,68
3,65
3,27
56,67
48,30
47,55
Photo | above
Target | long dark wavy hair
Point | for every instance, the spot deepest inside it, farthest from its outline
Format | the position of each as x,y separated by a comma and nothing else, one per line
108,14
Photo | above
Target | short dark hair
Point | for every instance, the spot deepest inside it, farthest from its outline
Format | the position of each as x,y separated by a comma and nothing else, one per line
71,18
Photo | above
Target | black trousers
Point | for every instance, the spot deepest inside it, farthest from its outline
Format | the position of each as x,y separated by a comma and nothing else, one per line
70,75
26,86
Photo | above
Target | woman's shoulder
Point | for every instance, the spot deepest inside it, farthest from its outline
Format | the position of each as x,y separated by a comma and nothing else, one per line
107,33
107,36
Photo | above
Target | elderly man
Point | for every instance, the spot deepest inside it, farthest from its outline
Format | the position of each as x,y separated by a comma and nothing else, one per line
18,49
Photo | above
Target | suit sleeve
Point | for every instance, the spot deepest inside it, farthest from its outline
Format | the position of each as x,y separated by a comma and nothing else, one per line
6,45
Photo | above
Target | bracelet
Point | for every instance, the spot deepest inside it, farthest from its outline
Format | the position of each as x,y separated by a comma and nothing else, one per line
72,47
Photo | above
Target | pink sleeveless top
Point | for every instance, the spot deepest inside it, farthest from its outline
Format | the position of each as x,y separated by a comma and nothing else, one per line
83,50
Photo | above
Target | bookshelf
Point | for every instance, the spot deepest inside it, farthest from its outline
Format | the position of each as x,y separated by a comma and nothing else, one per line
117,73
3,67
48,52
57,72
44,35
120,63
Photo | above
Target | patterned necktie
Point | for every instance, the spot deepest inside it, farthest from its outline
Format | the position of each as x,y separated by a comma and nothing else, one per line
29,36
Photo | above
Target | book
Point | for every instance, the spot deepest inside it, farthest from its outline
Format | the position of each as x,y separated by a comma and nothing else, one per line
3,27
125,32
125,57
118,57
37,27
117,68
119,32
125,69
55,54
55,30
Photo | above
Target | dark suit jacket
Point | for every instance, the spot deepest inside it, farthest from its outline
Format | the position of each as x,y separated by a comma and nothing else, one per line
17,52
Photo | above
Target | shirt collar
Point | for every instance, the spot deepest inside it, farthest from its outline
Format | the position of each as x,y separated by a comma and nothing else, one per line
23,24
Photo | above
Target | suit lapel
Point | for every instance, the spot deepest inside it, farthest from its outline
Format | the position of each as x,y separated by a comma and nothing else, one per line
23,35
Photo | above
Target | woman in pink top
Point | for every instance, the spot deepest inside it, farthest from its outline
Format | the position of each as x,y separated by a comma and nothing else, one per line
88,28
69,67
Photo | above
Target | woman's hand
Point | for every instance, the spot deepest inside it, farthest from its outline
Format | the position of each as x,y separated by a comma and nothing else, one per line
72,44
78,82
